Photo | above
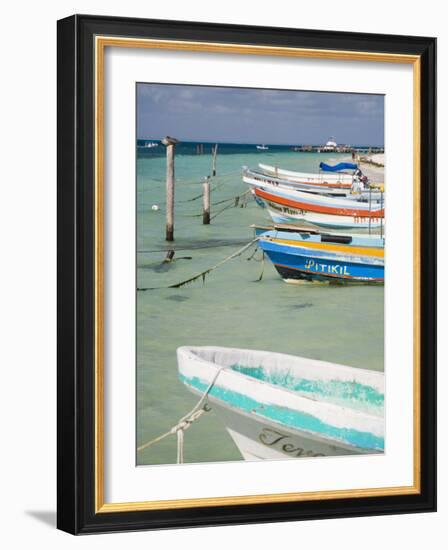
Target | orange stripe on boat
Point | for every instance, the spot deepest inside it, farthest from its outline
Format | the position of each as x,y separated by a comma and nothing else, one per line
363,250
320,208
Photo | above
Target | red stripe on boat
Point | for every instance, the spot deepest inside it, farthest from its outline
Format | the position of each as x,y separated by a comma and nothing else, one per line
320,208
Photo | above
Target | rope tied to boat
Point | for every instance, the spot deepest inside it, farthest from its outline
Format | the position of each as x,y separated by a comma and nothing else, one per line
186,421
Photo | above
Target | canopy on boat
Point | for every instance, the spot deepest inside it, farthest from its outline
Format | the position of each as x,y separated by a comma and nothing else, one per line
337,167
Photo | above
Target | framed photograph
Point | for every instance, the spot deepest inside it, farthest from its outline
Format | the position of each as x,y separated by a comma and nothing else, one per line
246,274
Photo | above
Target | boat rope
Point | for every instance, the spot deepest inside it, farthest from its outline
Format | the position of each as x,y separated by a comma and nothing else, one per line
186,421
193,182
262,268
206,271
233,203
220,244
196,197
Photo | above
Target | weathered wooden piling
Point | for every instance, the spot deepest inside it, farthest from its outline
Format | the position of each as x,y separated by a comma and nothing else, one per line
206,202
170,144
215,152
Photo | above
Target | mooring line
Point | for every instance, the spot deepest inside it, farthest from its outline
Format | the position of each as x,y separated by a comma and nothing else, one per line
186,421
205,272
197,247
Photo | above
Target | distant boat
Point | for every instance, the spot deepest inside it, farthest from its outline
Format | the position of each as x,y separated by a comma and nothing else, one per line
262,147
305,256
277,406
148,145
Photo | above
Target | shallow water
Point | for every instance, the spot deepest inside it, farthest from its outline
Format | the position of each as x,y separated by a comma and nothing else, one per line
338,324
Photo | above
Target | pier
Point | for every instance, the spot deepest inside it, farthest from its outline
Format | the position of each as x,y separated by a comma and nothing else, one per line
337,149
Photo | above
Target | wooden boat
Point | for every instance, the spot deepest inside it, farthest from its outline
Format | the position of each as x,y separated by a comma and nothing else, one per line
292,206
338,179
305,256
291,228
256,179
277,406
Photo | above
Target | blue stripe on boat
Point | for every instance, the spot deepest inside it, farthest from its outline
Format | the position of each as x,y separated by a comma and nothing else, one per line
290,418
321,266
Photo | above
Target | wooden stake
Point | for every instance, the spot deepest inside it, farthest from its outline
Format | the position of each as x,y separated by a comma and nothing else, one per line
170,144
215,152
206,202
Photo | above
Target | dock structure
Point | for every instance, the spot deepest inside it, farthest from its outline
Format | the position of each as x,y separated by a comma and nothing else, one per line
170,144
337,149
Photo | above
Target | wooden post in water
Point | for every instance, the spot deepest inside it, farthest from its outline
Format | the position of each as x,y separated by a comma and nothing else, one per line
215,152
206,202
170,144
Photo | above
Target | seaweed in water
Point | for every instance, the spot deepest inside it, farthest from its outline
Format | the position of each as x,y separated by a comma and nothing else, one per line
177,298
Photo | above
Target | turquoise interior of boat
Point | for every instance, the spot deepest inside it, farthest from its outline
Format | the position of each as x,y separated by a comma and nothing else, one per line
344,393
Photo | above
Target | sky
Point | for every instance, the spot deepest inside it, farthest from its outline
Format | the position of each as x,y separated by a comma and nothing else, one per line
245,115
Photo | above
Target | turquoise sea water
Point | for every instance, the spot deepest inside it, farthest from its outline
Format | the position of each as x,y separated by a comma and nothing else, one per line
338,324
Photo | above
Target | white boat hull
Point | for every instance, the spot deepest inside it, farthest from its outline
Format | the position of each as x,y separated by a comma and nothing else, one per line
287,214
260,439
288,185
270,421
304,177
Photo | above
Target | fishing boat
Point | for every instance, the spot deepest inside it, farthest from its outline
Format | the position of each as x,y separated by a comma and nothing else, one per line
258,179
148,145
326,177
262,147
292,206
306,256
277,406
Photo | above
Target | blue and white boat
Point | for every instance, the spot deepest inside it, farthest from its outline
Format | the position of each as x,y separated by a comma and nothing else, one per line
327,178
277,406
311,256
